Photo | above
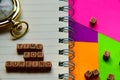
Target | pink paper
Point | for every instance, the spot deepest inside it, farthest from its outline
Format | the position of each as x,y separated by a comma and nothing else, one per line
107,13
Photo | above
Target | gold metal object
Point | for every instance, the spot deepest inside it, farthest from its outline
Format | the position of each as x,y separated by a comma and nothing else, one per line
16,27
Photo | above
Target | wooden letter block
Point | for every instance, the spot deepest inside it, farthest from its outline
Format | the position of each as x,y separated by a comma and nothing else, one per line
33,56
21,48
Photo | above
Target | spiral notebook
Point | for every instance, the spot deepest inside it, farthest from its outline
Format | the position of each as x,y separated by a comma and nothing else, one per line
89,44
45,28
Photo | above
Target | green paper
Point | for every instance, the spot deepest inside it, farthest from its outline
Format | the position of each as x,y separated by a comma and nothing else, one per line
112,65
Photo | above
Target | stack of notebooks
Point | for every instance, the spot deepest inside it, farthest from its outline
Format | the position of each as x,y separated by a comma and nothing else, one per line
70,42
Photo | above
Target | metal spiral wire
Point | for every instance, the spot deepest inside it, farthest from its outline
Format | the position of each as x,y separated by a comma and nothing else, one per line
66,76
70,41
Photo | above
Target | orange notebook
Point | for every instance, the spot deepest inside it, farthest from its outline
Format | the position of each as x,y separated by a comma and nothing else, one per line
85,58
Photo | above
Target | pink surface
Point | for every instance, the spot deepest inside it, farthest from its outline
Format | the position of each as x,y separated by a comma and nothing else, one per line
107,13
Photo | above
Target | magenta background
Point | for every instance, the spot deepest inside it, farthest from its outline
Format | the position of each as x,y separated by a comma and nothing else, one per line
107,13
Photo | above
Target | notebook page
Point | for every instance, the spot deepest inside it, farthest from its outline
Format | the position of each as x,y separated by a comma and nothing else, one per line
42,16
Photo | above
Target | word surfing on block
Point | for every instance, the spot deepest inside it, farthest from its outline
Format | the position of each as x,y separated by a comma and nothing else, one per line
28,66
21,48
33,56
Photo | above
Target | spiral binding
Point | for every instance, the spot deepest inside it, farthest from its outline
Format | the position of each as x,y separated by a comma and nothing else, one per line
68,52
72,2
69,64
66,76
66,29
63,0
66,9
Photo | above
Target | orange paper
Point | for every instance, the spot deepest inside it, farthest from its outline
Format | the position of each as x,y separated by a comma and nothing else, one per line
86,58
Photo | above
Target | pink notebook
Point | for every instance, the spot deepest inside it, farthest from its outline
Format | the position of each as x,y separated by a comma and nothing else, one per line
107,13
